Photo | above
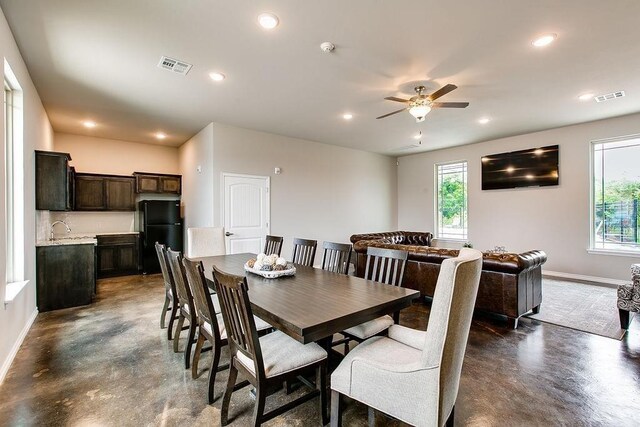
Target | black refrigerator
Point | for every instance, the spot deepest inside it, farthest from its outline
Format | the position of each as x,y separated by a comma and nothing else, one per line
159,222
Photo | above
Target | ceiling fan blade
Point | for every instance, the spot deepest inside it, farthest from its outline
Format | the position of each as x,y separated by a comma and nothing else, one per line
442,91
391,114
393,98
449,104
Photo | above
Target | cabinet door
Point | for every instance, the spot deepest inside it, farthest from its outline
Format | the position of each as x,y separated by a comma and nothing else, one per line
51,181
90,193
106,260
120,194
147,184
171,184
127,257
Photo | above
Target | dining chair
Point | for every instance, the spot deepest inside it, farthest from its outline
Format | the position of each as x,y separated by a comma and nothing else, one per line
205,241
304,251
186,305
170,296
384,266
266,361
336,257
273,245
211,326
385,372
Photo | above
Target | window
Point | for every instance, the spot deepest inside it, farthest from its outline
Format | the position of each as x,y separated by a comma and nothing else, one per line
615,194
451,201
13,182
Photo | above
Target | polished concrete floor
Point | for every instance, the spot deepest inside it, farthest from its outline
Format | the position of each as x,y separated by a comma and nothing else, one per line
109,364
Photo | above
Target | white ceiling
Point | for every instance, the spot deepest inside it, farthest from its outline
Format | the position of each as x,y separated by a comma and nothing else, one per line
92,59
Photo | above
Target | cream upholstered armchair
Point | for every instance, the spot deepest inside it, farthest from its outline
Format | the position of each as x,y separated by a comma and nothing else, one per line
205,241
414,375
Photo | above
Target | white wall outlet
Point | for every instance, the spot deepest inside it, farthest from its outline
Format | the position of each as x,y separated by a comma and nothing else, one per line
277,171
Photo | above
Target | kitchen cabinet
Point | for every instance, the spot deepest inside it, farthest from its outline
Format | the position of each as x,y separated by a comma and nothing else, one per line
95,192
54,181
117,254
65,276
158,183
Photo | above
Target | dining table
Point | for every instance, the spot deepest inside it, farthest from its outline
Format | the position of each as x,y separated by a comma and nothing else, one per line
313,304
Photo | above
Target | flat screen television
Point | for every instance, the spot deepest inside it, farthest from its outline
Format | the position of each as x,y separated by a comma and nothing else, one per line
524,168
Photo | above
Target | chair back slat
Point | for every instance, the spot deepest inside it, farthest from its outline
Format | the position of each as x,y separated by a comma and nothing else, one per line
304,251
273,245
201,294
161,250
336,257
385,265
233,294
185,296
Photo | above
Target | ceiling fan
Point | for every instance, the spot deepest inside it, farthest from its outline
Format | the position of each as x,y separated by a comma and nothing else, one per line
420,105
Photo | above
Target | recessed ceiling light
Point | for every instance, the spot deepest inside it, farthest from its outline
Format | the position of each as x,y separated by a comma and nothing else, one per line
544,40
586,97
484,120
347,116
160,135
217,77
268,21
89,124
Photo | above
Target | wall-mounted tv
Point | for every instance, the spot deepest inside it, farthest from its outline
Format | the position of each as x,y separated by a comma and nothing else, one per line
524,168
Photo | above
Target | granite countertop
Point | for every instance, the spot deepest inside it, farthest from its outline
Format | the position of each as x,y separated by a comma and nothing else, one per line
79,238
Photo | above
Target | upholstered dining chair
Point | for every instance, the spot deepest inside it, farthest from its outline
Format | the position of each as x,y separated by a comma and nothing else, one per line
273,245
170,296
304,251
205,241
210,323
336,257
384,266
265,361
384,373
186,308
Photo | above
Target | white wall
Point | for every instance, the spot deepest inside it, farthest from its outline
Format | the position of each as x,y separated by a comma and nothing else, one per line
15,317
554,219
324,192
110,156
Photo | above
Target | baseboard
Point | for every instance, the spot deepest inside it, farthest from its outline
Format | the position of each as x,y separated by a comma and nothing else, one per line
591,280
7,363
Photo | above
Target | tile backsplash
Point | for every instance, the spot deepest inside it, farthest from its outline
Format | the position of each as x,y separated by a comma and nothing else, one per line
92,222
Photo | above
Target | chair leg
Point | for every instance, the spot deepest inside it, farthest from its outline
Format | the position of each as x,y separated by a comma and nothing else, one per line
336,409
371,416
226,399
536,309
449,422
176,335
321,383
165,307
512,322
196,356
174,311
190,339
624,318
258,410
215,362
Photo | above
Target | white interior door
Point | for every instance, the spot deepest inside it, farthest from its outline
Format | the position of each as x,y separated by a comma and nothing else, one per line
246,212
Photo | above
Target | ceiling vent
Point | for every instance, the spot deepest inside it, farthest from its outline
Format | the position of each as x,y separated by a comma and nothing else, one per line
609,96
174,65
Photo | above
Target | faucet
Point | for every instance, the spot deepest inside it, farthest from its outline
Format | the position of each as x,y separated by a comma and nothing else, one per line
58,222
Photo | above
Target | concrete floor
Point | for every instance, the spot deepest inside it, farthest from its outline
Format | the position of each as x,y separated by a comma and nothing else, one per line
110,364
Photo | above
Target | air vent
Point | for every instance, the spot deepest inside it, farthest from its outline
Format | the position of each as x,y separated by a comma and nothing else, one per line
609,96
174,65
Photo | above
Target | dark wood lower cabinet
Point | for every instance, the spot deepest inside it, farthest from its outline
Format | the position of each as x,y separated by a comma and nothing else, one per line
65,276
117,255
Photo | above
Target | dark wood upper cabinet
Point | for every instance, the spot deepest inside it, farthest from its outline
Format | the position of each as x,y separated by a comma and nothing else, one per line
54,181
120,194
158,183
104,193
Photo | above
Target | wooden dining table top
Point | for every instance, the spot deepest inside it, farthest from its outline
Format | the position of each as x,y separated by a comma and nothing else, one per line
313,304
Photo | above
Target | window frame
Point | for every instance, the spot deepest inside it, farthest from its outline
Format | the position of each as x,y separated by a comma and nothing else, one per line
437,231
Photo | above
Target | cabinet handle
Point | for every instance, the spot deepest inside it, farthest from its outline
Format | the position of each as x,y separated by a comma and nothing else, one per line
228,234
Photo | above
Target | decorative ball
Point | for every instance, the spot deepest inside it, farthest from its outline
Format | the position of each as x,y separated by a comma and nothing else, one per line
273,258
281,261
279,267
258,265
251,262
267,267
261,257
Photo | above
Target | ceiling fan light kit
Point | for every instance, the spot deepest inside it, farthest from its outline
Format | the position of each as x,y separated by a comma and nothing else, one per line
420,105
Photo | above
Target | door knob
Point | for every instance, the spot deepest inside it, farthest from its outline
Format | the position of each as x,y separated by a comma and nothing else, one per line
228,234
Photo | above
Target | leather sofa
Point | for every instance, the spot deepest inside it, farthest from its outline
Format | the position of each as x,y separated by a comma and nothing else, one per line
510,283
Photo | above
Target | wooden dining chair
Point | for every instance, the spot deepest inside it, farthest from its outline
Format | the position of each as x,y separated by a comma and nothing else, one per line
170,296
384,266
336,257
186,306
273,245
304,251
267,361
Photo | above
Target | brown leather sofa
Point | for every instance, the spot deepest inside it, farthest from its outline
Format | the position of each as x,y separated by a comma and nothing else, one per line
510,284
